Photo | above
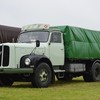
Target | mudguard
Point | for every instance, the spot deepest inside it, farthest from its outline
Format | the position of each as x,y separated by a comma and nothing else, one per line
35,60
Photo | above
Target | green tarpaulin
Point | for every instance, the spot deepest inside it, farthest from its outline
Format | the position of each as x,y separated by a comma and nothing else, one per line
81,43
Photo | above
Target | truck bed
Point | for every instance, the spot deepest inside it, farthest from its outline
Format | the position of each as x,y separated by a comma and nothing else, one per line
81,43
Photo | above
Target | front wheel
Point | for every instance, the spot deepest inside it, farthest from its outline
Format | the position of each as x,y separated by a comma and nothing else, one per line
6,81
42,76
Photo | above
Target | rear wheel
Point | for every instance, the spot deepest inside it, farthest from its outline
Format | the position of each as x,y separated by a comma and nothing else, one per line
42,76
96,72
87,77
93,74
66,77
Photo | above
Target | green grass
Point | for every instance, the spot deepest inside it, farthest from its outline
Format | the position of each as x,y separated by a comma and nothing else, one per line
75,90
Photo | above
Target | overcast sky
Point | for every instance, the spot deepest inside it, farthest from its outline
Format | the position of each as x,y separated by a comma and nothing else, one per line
81,13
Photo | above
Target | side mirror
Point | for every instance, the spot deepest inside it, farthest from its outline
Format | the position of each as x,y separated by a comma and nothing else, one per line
37,43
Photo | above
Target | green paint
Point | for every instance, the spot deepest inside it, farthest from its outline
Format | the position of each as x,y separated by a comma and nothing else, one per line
80,43
16,70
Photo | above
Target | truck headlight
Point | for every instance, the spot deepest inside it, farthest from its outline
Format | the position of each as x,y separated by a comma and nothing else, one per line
27,61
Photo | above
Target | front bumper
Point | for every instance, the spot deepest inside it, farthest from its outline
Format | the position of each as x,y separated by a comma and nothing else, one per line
16,70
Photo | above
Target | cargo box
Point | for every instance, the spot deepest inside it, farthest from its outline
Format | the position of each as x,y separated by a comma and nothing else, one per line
81,43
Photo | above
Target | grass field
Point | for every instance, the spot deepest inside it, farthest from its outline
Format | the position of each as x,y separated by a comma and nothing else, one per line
75,90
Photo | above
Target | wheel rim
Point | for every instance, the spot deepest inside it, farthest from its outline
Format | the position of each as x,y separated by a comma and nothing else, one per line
43,75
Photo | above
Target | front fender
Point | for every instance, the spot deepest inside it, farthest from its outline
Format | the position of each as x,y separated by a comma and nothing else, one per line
35,60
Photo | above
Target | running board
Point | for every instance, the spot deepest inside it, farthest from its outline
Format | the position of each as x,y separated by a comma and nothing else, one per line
59,71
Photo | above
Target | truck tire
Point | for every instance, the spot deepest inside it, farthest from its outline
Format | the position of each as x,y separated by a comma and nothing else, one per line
42,76
94,74
87,77
6,81
95,71
67,77
0,83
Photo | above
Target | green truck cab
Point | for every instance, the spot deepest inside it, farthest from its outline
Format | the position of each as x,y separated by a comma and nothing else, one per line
43,52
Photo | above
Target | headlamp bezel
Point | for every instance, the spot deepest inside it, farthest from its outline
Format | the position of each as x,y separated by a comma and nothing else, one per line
27,61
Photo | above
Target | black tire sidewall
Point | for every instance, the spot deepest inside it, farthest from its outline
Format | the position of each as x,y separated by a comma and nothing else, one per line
94,67
6,81
87,77
42,66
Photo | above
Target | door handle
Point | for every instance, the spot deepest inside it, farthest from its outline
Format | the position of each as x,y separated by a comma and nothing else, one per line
61,49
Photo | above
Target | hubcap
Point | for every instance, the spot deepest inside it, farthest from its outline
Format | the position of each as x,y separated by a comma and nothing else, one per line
43,76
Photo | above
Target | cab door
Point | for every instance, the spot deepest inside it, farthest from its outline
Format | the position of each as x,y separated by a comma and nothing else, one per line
56,48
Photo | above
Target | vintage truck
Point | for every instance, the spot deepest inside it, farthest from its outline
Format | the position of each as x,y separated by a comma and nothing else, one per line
43,52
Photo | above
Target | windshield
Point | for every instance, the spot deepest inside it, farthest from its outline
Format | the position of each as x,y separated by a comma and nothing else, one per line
29,37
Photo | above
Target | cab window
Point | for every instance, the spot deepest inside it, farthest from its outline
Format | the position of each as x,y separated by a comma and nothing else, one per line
56,37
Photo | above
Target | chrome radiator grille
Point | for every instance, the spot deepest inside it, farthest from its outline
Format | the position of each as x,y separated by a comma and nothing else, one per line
4,56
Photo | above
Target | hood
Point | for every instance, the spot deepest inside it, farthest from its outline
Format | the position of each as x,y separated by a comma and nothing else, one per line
18,50
28,47
31,47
